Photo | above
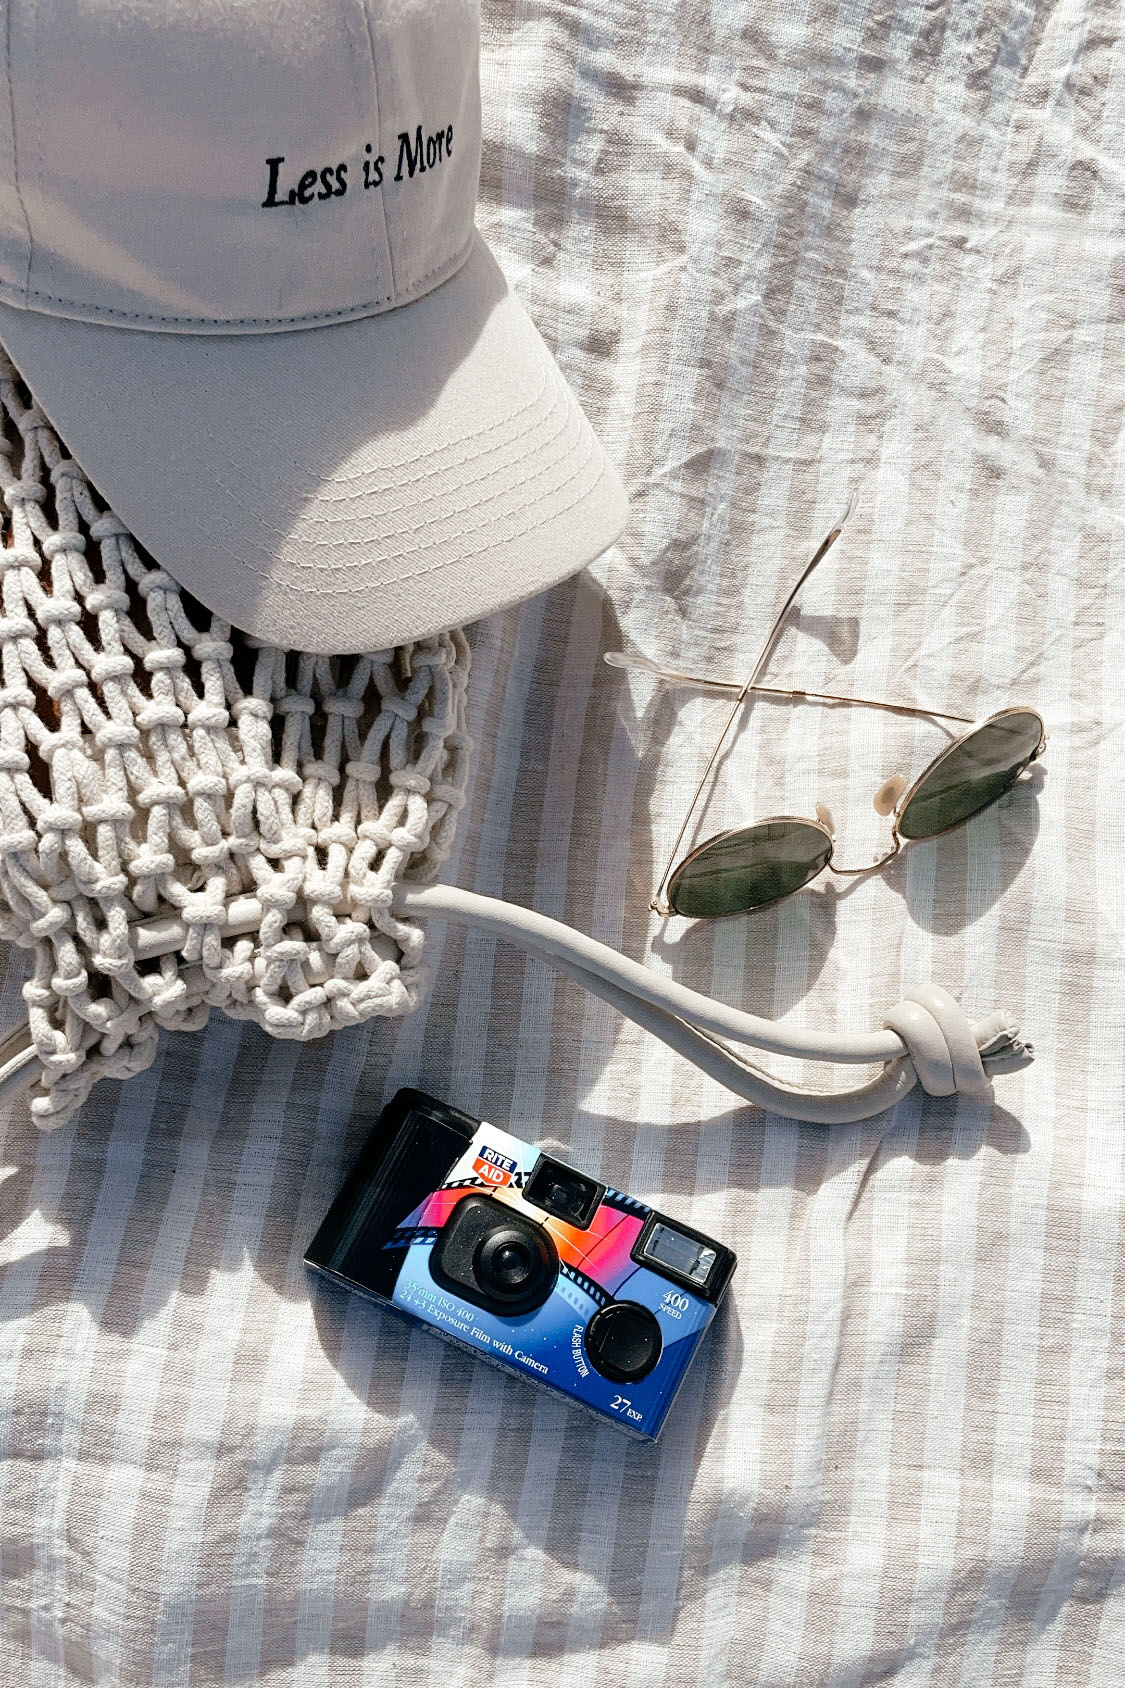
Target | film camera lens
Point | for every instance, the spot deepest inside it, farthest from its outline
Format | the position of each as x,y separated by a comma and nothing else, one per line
495,1257
510,1263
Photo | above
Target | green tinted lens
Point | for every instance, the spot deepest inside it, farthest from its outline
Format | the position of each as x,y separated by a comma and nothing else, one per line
745,869
972,774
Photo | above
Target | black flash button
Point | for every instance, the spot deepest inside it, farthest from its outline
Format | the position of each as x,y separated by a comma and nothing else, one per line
623,1341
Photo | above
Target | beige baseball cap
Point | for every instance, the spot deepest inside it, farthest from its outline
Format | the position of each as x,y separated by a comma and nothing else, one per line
240,273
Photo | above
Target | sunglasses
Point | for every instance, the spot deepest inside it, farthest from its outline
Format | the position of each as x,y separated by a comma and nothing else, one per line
750,867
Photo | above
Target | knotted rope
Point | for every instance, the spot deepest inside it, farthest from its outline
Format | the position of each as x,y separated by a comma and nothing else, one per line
153,761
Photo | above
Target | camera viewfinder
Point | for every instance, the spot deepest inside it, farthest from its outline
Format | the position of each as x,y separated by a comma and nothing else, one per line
563,1193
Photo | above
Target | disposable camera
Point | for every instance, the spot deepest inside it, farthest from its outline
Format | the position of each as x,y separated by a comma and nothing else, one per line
523,1261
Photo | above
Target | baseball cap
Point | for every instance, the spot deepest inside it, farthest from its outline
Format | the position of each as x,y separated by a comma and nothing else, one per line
240,272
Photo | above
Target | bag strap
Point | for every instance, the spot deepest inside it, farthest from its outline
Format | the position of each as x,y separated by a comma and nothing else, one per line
927,1039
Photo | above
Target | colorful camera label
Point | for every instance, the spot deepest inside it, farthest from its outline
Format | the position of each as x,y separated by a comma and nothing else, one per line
549,1345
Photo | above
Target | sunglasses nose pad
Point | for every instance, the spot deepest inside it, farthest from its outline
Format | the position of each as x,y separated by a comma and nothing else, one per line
889,793
824,816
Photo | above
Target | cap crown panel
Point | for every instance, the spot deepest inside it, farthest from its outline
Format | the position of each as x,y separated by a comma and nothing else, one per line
206,167
430,131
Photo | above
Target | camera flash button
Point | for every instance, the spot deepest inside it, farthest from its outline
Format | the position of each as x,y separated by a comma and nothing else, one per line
623,1341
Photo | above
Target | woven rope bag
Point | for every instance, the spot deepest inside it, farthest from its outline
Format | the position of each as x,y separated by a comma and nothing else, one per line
153,761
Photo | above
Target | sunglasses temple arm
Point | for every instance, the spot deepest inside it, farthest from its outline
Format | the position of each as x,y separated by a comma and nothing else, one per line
618,659
658,902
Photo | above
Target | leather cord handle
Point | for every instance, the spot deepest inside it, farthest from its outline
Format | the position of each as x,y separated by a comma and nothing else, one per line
926,1039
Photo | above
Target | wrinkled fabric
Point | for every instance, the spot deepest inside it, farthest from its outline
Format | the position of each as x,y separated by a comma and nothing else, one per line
783,253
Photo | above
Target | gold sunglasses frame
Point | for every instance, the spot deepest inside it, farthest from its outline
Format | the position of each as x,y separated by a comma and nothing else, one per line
902,796
666,907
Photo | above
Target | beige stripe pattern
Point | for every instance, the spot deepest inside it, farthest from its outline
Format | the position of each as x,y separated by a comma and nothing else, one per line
781,251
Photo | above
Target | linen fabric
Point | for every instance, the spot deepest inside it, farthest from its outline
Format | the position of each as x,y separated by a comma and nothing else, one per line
776,249
238,268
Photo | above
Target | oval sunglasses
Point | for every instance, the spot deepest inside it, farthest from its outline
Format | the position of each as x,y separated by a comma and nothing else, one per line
750,867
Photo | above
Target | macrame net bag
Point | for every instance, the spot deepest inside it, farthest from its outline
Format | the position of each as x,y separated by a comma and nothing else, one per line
156,762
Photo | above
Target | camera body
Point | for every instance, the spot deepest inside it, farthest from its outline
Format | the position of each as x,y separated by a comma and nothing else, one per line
524,1261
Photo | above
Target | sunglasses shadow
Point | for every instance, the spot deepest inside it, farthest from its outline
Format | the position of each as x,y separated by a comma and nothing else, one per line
839,634
950,882
947,884
710,955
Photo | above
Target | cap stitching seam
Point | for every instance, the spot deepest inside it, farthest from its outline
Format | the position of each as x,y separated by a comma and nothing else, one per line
39,143
345,313
473,440
520,533
515,439
521,438
435,459
592,449
472,461
379,135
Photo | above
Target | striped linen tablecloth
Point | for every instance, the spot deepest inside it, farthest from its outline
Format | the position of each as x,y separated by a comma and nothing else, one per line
782,250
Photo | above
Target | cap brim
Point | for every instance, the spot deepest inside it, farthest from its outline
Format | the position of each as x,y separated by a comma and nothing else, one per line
339,488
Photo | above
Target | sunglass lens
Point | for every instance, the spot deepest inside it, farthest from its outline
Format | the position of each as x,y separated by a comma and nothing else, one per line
972,774
745,869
